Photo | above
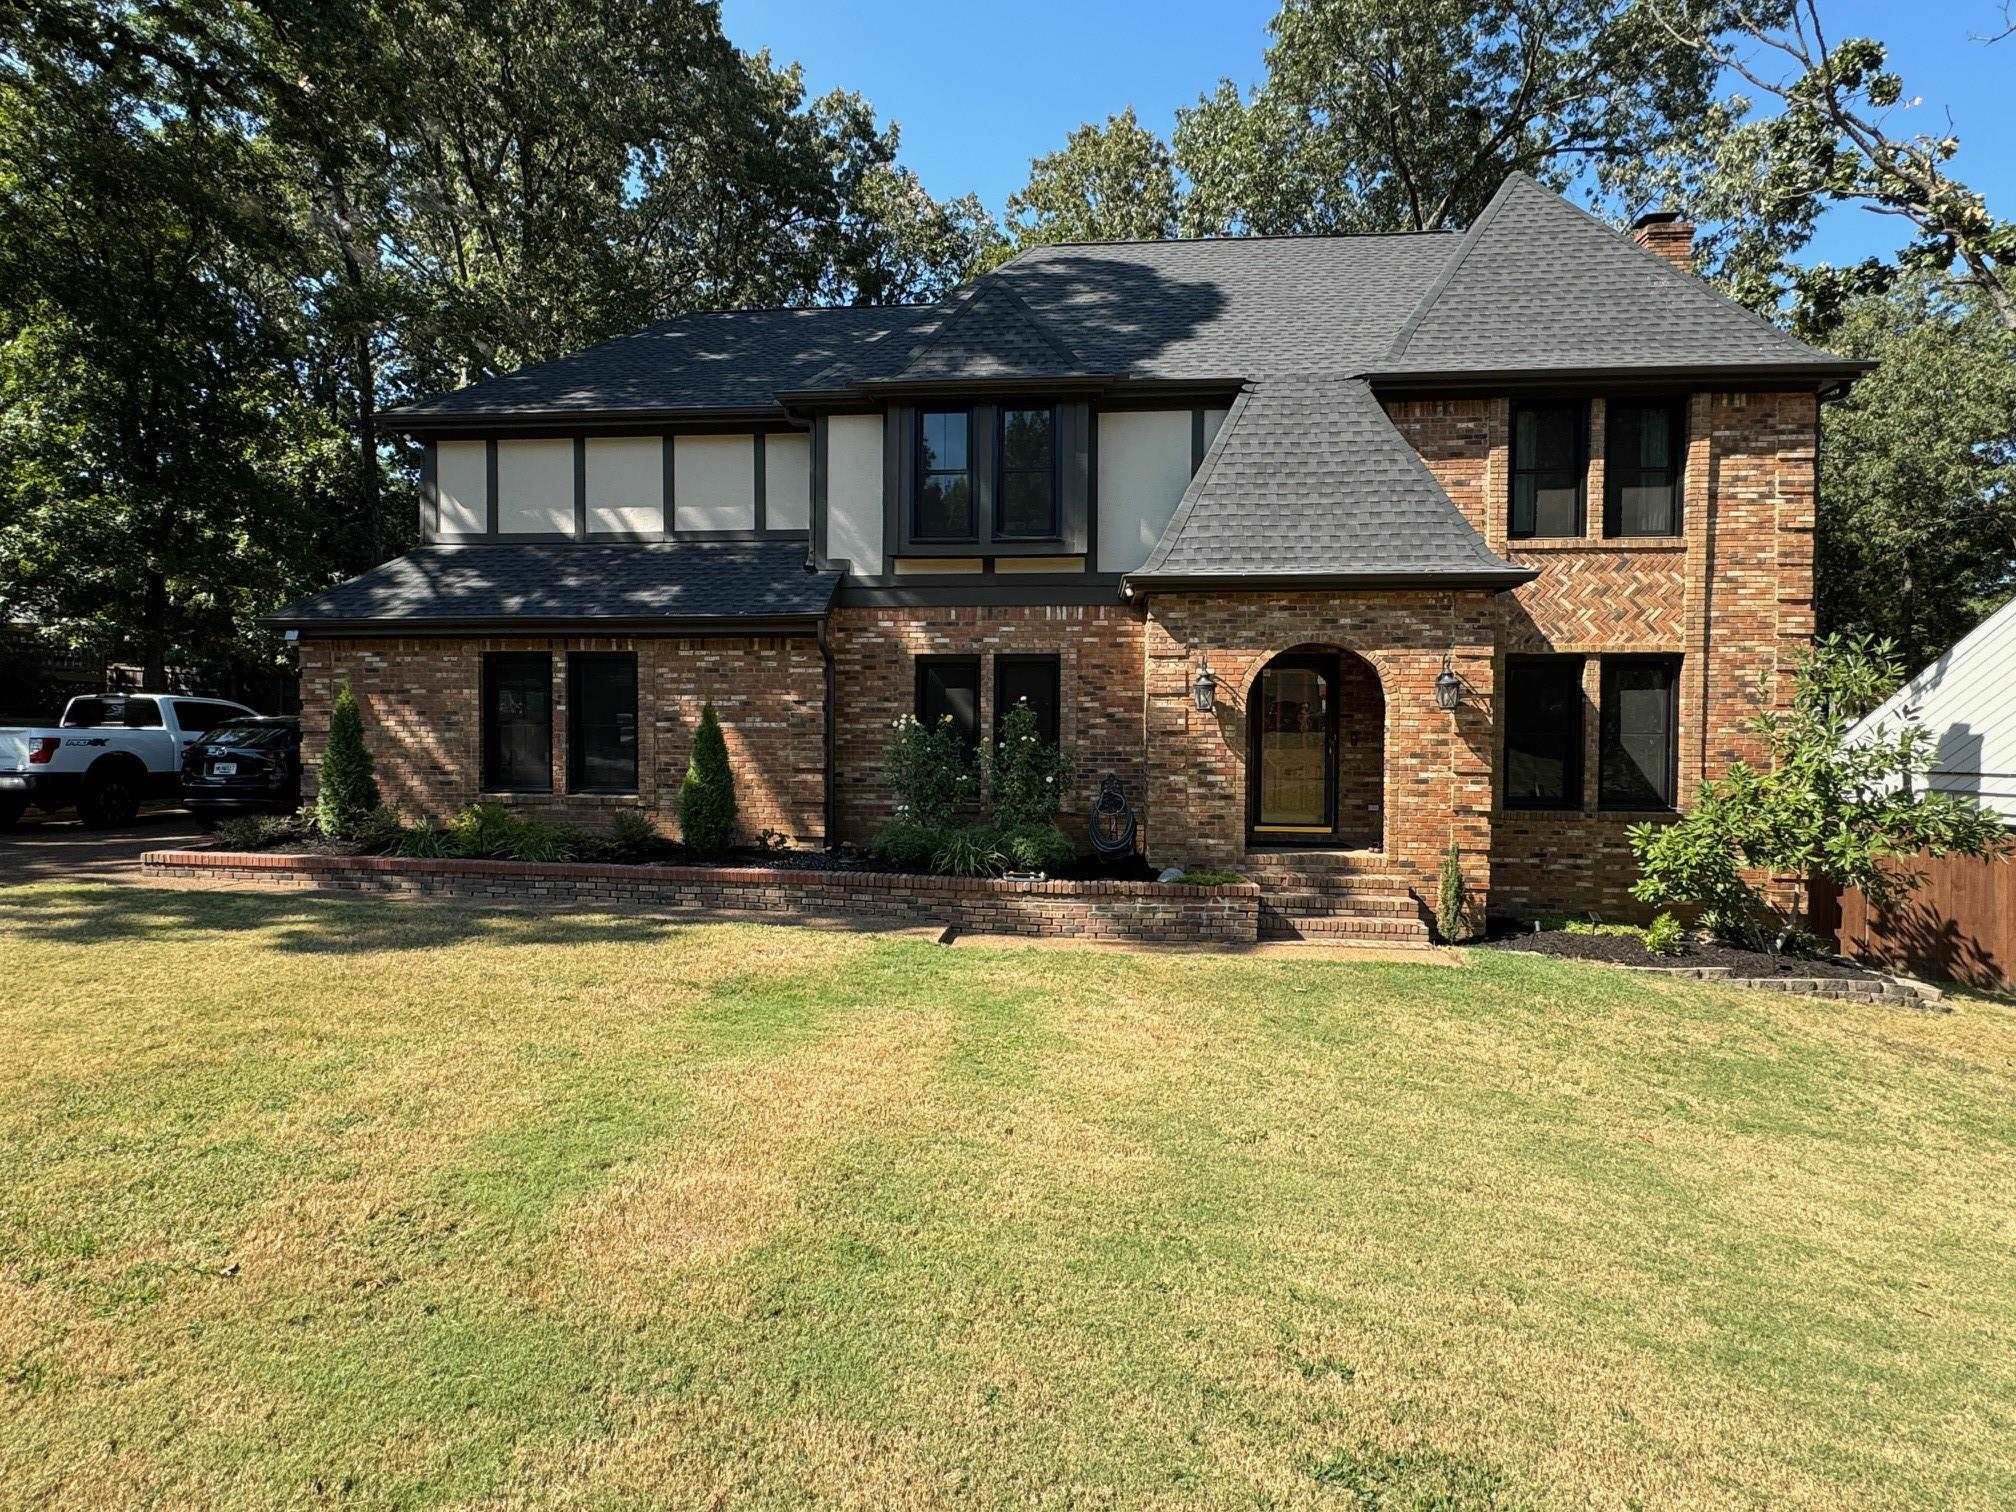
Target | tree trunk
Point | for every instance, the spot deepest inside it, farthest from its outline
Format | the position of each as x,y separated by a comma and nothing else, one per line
367,454
154,632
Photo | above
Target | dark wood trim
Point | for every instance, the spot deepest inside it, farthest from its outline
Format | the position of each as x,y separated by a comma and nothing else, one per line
758,446
817,543
1196,440
430,492
506,625
581,487
490,486
669,519
981,592
1330,666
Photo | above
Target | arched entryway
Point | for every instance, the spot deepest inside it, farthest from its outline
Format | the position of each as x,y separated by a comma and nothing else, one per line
1316,757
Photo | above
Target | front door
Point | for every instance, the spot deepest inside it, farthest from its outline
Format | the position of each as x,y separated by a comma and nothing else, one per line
1293,792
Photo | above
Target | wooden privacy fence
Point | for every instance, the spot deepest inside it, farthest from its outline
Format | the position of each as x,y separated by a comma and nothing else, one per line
1958,923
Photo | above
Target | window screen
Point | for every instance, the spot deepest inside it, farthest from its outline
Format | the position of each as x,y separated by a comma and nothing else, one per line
518,722
1543,733
602,722
1640,745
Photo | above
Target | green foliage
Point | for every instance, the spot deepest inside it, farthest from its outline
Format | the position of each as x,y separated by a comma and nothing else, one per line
930,771
906,843
492,831
1209,877
1664,936
1106,183
1026,778
258,831
970,850
1823,808
707,796
347,790
378,832
428,842
1449,897
1040,847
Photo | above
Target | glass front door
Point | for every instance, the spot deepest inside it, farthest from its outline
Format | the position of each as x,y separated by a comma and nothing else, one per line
1295,748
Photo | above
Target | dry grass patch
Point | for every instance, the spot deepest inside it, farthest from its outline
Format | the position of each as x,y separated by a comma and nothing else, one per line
324,1200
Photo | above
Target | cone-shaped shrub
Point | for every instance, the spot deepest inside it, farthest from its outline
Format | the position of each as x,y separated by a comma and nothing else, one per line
707,796
347,790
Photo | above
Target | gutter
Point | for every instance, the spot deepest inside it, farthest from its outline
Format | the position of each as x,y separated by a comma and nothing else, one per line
830,798
1263,582
649,625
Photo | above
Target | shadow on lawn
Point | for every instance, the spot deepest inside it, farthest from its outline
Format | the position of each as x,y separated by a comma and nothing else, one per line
318,924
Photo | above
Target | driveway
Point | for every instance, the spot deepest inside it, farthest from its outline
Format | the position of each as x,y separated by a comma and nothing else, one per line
56,848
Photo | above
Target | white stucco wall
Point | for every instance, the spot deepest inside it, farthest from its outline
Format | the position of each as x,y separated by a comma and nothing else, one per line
1144,466
854,491
535,487
714,482
787,481
626,484
1966,700
461,476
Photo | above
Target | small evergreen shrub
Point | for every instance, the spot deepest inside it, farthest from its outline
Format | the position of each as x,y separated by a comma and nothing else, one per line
973,850
1038,848
906,843
348,788
1025,777
707,796
1664,936
1449,897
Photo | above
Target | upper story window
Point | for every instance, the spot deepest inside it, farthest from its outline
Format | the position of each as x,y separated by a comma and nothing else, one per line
944,503
1645,446
1026,506
1549,463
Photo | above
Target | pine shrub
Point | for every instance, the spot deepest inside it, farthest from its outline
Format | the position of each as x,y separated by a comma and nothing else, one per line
348,789
1449,898
707,796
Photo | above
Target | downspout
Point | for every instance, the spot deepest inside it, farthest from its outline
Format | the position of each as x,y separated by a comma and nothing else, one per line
830,804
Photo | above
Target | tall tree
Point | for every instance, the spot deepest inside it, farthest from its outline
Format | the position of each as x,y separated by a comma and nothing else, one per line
1106,183
1917,529
1380,115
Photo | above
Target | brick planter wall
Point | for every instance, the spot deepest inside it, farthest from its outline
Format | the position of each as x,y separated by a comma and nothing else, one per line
1145,912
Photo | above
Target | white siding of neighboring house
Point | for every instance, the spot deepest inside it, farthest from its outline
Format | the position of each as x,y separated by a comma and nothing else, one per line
854,491
626,484
1144,466
535,487
714,482
787,482
1966,700
461,478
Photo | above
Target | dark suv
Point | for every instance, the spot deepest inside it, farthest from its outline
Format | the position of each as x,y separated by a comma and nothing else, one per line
244,765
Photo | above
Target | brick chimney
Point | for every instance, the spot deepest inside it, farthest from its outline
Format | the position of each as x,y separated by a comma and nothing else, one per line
1668,234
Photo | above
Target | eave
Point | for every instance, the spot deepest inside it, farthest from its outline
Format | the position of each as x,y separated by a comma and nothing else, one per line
1264,582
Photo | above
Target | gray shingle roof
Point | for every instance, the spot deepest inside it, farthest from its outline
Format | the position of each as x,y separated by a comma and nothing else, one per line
726,360
987,332
685,582
1307,478
1539,285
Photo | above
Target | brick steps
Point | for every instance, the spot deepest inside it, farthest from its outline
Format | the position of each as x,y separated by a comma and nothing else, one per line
1335,896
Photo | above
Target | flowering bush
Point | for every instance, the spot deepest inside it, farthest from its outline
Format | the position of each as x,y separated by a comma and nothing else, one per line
1026,777
930,771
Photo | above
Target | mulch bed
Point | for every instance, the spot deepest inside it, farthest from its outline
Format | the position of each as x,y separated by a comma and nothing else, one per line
1628,950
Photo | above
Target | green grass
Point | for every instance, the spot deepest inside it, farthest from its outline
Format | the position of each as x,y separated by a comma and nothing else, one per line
312,1200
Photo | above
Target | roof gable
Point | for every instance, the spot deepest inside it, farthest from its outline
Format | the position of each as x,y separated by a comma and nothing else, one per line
988,332
1540,284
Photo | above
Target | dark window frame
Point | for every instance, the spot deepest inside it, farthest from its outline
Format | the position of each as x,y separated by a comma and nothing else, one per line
1675,407
579,662
1607,714
1579,408
925,665
920,476
1574,777
492,660
1004,662
1002,470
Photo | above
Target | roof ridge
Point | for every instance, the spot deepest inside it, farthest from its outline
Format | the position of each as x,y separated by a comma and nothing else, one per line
968,299
1434,292
1194,241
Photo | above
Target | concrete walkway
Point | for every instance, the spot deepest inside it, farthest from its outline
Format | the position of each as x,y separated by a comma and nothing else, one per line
57,848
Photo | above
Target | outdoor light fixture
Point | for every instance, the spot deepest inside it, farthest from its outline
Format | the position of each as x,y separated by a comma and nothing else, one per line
1206,687
1448,688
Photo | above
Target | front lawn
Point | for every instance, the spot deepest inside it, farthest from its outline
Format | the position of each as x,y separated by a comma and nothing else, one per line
308,1200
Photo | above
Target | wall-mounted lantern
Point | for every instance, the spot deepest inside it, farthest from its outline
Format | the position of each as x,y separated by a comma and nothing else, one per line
1206,687
1448,687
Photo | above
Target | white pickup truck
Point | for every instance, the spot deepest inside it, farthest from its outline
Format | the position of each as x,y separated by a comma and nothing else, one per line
111,751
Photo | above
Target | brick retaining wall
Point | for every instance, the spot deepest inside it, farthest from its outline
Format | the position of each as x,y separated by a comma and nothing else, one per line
1147,912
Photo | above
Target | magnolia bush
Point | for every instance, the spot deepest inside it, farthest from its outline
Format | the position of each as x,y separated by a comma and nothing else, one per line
1849,812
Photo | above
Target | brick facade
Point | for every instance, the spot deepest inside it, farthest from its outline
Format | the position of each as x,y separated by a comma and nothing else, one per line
1731,598
422,699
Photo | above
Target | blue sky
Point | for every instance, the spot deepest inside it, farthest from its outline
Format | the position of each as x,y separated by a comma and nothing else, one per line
981,89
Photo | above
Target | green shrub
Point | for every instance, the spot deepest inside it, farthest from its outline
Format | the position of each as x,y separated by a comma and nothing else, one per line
489,831
930,771
631,831
1038,848
428,842
378,832
258,831
1449,897
347,789
1208,877
707,796
1664,936
1025,777
906,843
973,850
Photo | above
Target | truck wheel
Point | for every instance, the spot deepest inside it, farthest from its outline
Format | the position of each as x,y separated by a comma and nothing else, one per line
109,798
11,810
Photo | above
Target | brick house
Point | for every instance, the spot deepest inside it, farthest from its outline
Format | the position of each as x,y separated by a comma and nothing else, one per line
1319,484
